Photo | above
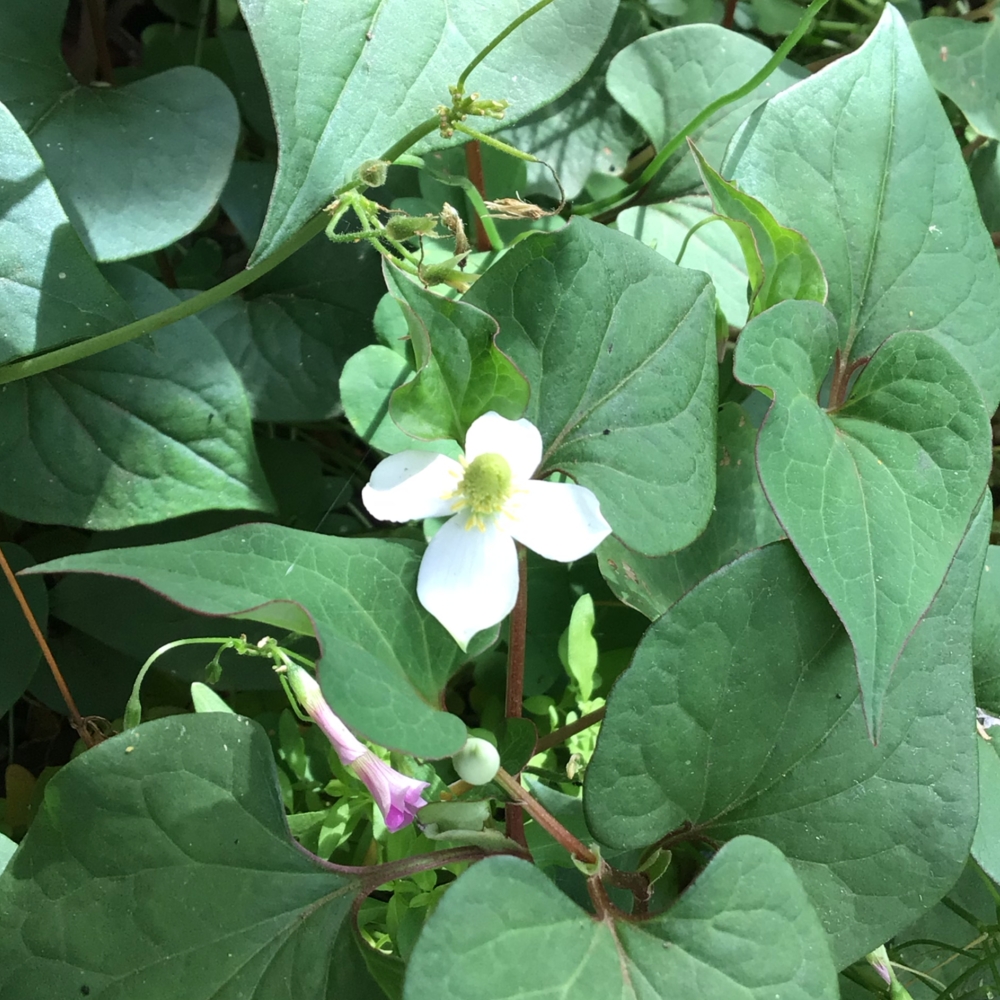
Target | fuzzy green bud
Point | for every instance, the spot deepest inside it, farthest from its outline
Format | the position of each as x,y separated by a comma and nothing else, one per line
405,227
372,173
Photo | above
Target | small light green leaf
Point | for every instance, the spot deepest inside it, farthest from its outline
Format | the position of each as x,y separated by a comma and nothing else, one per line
887,207
461,373
383,673
712,247
875,496
21,654
740,715
986,843
366,386
745,928
188,868
619,348
961,59
53,292
205,699
986,636
584,130
780,263
742,520
578,647
348,81
139,433
665,79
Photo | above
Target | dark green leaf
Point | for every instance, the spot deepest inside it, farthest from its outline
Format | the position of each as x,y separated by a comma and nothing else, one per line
385,660
740,715
139,433
619,348
516,740
186,884
745,928
887,207
875,495
986,843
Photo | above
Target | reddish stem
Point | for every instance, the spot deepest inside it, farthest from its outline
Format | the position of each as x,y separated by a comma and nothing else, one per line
514,815
474,167
730,14
76,720
563,733
544,818
98,31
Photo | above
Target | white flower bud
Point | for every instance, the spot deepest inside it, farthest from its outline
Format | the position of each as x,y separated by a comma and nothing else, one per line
477,762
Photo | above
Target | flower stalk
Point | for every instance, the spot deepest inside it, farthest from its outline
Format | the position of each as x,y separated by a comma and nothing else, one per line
397,796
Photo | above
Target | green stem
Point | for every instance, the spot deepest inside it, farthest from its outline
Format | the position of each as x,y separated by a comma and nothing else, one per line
495,143
513,26
133,707
653,168
692,231
489,227
115,338
969,918
199,44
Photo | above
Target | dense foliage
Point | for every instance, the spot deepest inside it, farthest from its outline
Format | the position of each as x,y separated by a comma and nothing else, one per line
495,499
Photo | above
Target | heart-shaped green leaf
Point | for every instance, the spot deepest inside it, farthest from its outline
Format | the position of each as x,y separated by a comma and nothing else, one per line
53,292
142,432
961,58
888,207
744,929
741,520
875,495
349,81
136,167
665,79
739,715
383,673
186,884
619,348
461,373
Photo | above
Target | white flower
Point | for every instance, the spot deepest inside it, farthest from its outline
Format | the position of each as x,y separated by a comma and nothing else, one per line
469,576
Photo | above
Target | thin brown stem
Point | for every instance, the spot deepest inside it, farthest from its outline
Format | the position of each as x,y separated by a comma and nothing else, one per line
76,720
730,14
563,733
98,30
474,167
544,818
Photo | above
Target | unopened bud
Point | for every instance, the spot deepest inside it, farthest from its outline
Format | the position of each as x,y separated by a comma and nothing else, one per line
405,227
477,762
372,173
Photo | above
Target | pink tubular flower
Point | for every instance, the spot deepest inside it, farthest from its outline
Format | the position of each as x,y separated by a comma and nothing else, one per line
397,796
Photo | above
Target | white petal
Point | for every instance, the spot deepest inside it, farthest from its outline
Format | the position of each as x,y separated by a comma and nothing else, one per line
517,440
411,485
560,521
468,578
